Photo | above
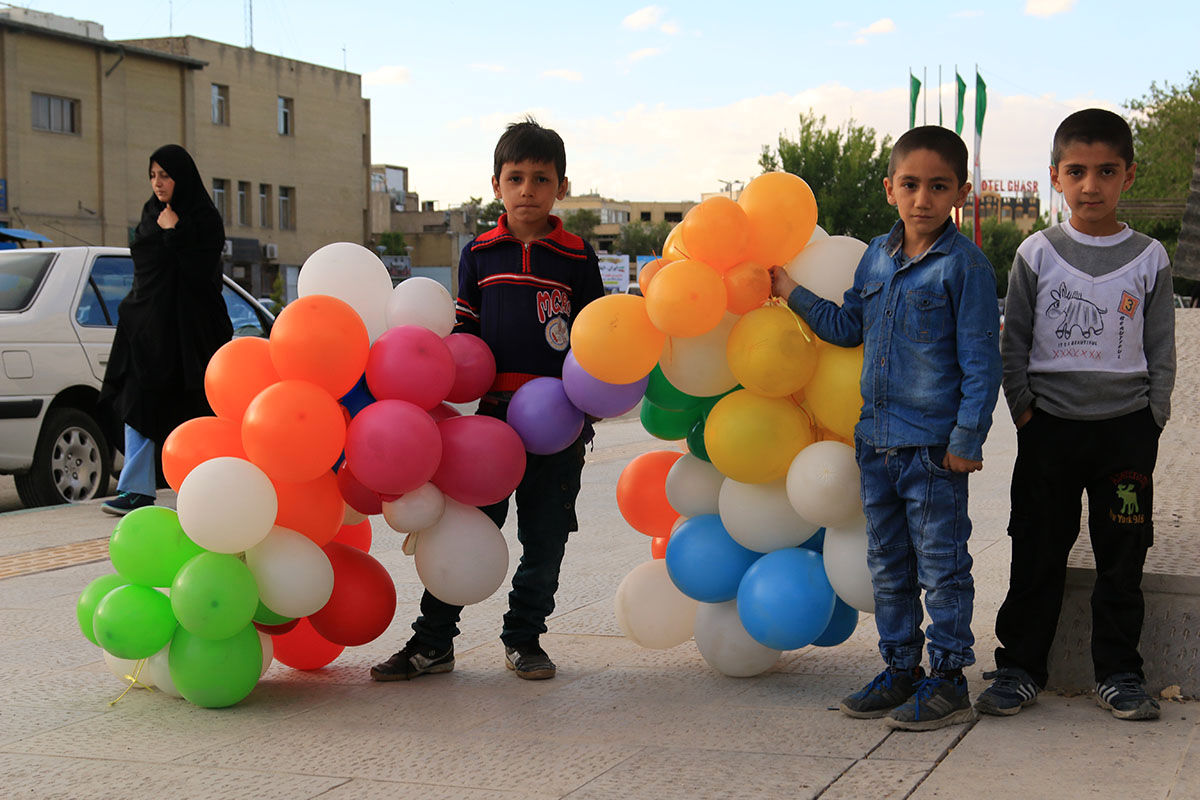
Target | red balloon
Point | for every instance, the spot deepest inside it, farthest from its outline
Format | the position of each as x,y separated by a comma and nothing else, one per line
474,367
393,447
444,411
195,442
314,508
483,460
658,547
410,363
303,648
293,431
359,497
276,630
357,536
363,601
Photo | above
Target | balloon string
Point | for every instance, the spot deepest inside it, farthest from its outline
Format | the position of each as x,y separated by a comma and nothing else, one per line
133,681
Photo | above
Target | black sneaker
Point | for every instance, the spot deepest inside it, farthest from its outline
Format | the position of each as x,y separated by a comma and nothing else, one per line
939,701
1124,694
529,661
125,502
1012,689
886,690
412,662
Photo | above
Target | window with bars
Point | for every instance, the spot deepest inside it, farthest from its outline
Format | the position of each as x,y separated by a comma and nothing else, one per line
55,114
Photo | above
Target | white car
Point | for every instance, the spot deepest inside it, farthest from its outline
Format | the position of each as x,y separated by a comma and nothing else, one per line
58,315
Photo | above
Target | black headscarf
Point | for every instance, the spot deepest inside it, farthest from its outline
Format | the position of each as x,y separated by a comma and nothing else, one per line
174,317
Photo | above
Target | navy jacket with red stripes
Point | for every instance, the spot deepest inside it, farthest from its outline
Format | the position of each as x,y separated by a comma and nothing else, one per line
522,299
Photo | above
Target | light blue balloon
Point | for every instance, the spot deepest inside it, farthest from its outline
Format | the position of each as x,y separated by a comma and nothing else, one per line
841,624
704,561
785,601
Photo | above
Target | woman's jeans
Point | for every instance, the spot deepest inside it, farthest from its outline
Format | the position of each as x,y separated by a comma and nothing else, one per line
137,475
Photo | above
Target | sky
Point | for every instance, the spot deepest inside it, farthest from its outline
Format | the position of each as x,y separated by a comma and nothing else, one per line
669,100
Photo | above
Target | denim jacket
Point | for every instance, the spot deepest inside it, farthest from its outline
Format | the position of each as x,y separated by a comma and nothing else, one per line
930,325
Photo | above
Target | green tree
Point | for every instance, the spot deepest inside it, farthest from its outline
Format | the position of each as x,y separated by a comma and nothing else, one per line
394,242
1000,242
642,238
1166,126
488,214
845,168
582,222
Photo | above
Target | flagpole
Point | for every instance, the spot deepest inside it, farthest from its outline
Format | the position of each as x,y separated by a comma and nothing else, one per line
957,114
939,94
978,175
925,99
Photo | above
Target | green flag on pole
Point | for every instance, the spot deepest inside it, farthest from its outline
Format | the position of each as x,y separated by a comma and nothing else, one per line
914,91
958,106
980,103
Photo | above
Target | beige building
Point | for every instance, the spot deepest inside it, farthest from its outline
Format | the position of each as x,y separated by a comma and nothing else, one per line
615,213
284,145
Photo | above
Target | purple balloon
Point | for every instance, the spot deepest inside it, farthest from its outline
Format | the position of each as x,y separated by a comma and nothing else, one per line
543,417
595,397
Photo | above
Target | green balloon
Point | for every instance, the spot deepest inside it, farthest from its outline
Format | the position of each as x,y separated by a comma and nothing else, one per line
215,673
214,595
134,621
265,616
695,440
662,393
93,593
149,546
669,425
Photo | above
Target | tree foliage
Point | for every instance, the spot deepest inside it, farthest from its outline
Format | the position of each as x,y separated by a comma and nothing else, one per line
1166,126
582,222
642,238
394,242
1000,242
486,216
845,168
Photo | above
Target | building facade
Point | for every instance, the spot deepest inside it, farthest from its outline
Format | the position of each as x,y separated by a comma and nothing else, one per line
615,213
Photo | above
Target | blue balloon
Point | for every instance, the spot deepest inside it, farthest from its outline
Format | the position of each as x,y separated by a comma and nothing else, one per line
357,398
841,625
704,561
785,601
816,542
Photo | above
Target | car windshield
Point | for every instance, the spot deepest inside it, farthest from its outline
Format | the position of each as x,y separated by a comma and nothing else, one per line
21,273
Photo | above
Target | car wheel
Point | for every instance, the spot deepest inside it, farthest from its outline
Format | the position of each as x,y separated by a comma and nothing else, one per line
72,462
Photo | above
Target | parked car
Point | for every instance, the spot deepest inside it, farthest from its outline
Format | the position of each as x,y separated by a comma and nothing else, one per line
58,315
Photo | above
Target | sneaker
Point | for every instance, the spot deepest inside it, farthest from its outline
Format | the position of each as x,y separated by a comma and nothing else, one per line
412,662
529,661
939,701
1012,689
125,502
1124,694
886,690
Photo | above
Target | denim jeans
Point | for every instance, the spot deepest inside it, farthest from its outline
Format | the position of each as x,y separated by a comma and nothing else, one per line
137,474
917,531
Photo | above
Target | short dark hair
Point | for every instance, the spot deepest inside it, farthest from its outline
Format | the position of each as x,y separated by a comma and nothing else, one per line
1090,126
528,141
943,141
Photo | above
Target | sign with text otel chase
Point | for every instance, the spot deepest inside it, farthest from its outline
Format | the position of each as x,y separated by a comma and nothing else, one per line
1008,186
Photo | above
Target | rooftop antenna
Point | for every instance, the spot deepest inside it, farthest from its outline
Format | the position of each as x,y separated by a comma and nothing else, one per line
250,24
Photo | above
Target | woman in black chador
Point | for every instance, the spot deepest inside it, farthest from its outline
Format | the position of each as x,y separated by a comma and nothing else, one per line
171,322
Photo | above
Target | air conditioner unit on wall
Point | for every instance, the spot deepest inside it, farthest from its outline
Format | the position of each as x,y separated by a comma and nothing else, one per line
270,250
227,250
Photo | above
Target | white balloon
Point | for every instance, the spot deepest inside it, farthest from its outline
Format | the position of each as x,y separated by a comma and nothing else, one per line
760,517
697,365
227,505
693,485
817,234
651,611
123,667
268,652
424,302
351,516
462,558
353,274
294,575
160,671
845,554
416,510
826,266
725,645
823,484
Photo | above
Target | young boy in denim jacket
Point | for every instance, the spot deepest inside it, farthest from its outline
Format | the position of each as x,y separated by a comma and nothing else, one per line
521,285
1089,365
923,303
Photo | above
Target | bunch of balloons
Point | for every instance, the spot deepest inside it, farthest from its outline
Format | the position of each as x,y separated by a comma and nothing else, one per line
758,538
342,413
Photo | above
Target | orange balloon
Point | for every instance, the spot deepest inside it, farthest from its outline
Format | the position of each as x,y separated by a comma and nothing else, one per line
236,373
195,442
314,508
658,546
357,535
673,249
688,299
649,271
642,493
747,286
320,339
717,232
614,340
783,215
293,431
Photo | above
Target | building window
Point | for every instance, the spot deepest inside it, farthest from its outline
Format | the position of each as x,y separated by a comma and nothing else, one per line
645,216
264,205
673,216
286,123
55,114
220,104
220,188
243,202
287,208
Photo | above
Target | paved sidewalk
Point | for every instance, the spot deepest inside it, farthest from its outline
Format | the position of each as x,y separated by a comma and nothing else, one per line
617,722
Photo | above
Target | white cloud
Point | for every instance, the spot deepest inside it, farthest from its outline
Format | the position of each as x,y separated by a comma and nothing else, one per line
387,76
859,40
884,25
478,67
1047,8
645,52
563,74
669,28
644,18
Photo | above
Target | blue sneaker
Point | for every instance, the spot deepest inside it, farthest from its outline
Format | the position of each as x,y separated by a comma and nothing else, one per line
940,700
886,690
1012,689
125,502
1124,694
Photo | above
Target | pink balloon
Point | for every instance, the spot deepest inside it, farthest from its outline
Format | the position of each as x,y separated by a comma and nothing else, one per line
444,411
393,447
483,460
474,367
410,363
359,497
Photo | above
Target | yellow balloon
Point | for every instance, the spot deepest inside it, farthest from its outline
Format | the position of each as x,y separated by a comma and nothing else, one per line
772,352
833,392
752,438
783,215
614,340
